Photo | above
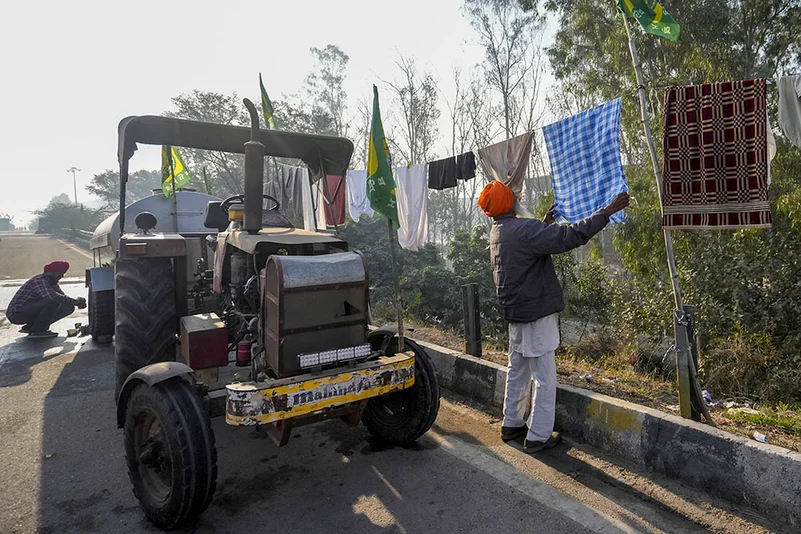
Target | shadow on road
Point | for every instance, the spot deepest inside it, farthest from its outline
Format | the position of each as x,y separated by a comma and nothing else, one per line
19,356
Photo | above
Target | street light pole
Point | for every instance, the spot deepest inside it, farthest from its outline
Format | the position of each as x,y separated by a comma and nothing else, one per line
73,170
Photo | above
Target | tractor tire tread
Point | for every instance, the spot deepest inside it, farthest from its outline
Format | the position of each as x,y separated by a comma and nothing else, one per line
145,314
426,391
101,314
190,426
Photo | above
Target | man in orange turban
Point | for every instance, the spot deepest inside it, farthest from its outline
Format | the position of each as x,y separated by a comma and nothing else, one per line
496,199
531,297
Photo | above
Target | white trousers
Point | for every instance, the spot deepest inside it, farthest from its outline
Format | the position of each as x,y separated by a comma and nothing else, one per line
532,355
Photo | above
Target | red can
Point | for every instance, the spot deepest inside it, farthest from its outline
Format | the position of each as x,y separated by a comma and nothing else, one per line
243,352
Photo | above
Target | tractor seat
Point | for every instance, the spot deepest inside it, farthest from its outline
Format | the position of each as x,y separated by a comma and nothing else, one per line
214,217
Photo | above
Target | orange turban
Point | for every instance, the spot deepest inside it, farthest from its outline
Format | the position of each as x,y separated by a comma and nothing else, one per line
496,199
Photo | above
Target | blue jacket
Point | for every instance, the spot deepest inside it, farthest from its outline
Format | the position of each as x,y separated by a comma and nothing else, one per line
520,251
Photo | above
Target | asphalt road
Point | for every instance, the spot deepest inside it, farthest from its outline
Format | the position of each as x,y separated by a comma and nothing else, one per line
62,469
23,255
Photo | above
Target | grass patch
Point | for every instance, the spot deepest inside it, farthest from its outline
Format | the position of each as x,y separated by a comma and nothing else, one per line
781,418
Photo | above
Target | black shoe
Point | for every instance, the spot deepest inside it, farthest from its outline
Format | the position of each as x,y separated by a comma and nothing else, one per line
25,330
537,446
47,334
508,433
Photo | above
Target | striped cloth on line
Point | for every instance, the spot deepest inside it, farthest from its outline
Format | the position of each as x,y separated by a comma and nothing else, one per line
715,169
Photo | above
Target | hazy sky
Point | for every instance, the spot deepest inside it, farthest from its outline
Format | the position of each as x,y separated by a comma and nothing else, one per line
72,70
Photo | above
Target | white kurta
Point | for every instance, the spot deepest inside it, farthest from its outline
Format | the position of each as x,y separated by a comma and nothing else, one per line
532,355
358,203
309,221
412,193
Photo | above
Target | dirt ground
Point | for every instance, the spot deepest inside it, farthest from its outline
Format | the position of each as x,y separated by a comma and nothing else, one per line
24,255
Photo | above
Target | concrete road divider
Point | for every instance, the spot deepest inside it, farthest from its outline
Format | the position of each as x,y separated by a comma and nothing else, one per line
764,477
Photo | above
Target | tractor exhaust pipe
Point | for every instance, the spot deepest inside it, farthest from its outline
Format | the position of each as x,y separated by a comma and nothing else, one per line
254,174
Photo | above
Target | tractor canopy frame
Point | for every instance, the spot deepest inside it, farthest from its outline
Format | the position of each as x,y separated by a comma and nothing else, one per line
324,155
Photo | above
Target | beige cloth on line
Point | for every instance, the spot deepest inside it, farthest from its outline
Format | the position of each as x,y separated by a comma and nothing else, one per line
790,108
507,162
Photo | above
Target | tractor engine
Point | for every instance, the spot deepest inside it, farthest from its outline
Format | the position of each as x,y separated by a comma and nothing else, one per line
296,307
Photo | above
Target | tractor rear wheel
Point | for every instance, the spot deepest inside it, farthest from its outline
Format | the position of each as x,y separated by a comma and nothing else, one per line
402,417
170,452
145,314
101,315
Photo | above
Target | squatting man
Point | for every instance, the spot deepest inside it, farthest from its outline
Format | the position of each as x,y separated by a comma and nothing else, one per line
40,302
531,297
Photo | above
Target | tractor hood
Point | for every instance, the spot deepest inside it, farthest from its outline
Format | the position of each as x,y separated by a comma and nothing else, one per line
280,236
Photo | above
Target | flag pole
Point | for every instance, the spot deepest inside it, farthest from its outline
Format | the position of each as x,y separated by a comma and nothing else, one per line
396,276
687,374
174,191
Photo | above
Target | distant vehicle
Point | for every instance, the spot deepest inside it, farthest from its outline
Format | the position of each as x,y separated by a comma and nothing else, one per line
6,224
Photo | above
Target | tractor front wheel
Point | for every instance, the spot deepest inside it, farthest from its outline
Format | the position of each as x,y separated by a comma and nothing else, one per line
402,417
170,452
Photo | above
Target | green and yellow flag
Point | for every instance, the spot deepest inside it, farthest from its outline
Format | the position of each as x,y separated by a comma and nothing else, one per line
380,183
174,173
266,106
652,17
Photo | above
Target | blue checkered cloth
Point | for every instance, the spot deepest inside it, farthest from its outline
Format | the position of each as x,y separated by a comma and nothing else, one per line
586,168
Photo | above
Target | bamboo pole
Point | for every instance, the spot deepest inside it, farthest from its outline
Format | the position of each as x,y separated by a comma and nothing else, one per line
687,374
396,276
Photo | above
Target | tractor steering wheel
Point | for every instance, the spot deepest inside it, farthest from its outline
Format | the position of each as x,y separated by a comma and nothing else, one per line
241,198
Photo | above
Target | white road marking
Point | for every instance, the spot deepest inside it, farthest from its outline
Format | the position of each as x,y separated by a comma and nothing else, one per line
77,249
386,482
546,495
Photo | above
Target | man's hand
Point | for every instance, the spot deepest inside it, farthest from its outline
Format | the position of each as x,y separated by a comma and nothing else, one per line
620,202
80,303
549,218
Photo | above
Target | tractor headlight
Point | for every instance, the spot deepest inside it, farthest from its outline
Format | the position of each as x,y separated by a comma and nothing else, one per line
314,359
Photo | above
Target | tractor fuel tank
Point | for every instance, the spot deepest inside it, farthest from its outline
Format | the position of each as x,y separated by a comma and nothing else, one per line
311,304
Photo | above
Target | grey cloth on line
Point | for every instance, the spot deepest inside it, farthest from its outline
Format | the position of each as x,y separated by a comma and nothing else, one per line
507,161
288,190
790,108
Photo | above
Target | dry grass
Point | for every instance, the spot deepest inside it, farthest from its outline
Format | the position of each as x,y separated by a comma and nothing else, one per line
602,363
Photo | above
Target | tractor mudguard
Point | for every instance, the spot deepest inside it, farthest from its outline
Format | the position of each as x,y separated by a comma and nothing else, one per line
100,278
150,375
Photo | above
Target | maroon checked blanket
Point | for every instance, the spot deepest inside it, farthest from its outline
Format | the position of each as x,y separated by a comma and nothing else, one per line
715,163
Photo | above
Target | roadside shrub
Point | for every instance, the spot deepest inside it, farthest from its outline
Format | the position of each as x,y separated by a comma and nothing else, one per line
748,365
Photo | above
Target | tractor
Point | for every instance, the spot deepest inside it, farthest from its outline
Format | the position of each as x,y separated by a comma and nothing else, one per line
285,341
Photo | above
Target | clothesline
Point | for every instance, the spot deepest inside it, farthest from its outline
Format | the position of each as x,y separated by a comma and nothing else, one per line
770,81
586,170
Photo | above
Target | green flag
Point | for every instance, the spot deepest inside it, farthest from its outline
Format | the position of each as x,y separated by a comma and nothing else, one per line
652,17
266,107
380,183
174,173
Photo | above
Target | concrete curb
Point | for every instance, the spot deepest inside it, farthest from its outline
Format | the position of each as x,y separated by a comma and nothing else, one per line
764,477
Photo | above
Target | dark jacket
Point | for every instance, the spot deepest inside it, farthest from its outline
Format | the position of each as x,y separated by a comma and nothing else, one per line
525,278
